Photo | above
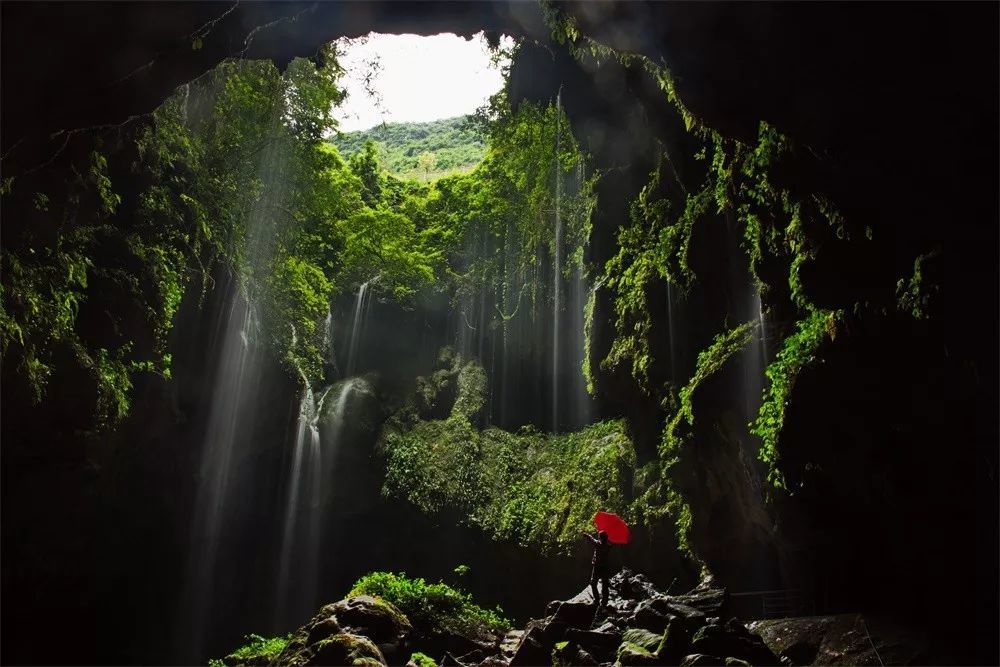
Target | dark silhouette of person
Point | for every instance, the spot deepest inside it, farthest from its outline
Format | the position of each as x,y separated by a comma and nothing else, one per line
601,568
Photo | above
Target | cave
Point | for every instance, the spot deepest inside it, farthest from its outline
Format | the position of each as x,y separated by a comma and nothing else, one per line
726,269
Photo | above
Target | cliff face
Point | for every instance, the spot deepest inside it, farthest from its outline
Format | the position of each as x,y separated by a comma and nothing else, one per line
887,442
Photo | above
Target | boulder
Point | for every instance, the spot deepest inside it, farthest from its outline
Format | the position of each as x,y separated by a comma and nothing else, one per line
648,616
574,614
374,618
633,654
647,640
846,639
570,654
532,650
733,640
709,601
675,643
345,649
601,645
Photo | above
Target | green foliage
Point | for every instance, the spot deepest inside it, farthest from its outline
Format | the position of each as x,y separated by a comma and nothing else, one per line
537,489
797,352
652,246
432,608
661,497
421,660
914,296
453,146
257,651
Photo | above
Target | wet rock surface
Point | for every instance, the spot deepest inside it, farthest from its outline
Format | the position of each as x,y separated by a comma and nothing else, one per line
640,626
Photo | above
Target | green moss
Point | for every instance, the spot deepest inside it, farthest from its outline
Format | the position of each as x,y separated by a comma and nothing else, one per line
257,651
797,352
422,660
914,296
432,608
527,487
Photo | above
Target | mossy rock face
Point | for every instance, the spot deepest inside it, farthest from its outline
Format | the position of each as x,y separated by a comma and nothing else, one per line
649,641
675,642
346,649
569,654
633,654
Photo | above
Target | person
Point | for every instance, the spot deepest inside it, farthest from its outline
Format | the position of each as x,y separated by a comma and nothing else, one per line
600,565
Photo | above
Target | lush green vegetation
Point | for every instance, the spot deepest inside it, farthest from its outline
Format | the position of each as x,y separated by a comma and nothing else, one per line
432,608
257,651
420,151
529,487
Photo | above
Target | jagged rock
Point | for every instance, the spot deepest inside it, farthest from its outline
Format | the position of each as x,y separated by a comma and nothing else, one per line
570,654
601,645
631,586
633,654
344,649
699,659
648,617
376,619
574,614
733,640
643,638
532,650
676,642
844,639
709,601
695,617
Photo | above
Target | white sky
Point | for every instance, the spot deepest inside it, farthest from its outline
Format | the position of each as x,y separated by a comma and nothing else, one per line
417,78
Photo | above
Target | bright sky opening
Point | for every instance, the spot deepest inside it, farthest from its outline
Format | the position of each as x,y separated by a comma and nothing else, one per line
415,79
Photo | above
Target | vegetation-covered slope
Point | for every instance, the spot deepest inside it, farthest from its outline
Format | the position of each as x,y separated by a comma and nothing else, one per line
423,151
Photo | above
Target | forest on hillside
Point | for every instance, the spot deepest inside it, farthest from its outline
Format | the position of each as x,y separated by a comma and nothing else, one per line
421,151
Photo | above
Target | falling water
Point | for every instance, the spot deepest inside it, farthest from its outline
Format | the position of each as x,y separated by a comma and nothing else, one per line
230,416
556,276
361,306
301,531
236,378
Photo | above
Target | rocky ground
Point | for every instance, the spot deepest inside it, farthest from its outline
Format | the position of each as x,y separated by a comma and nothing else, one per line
639,626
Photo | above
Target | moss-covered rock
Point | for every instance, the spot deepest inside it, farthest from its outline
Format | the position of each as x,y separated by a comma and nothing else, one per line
643,638
633,654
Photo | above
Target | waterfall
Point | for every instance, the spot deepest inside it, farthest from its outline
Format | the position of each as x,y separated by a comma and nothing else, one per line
236,378
216,521
362,304
311,468
556,275
301,526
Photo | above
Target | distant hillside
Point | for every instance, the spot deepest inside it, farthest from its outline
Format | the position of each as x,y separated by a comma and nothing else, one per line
420,151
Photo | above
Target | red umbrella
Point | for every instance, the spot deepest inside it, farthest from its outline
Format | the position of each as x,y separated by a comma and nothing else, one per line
613,525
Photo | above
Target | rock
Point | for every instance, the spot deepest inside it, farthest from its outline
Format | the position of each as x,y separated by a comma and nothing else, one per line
647,640
648,617
376,619
694,617
574,614
532,650
633,654
600,645
675,643
569,654
736,662
709,601
699,659
733,640
845,639
630,586
346,649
